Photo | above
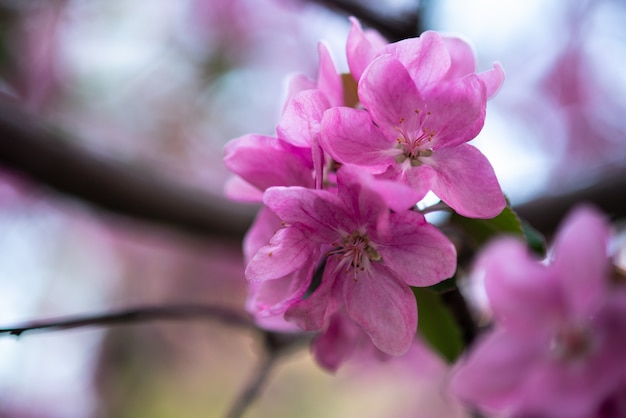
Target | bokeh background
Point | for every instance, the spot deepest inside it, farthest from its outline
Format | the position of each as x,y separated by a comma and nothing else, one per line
159,87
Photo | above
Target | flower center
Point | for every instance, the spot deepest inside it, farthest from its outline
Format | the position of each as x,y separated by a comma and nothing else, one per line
413,144
571,343
354,252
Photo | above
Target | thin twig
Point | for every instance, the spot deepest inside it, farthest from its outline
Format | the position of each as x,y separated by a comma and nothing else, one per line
133,315
276,345
253,387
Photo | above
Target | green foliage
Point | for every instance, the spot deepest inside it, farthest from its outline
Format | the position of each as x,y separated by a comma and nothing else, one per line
437,325
479,231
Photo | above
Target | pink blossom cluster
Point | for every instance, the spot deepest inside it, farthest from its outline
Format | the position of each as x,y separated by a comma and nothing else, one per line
557,345
339,242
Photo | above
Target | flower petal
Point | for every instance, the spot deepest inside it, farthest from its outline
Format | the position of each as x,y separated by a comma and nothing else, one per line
300,121
328,79
349,136
395,194
290,249
383,306
493,79
462,59
260,233
417,251
237,188
522,292
270,298
365,205
319,210
391,97
426,58
264,161
581,260
466,181
338,342
361,48
492,375
312,313
456,111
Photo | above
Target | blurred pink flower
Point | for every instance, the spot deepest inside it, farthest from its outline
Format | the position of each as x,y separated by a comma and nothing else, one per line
417,381
557,346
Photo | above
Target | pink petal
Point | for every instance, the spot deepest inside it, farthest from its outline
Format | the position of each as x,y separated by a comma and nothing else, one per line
264,161
456,111
320,210
361,49
420,179
581,260
260,233
365,205
492,375
290,249
493,79
416,251
466,181
522,292
463,61
426,58
237,188
300,121
337,343
383,306
349,136
298,83
329,80
313,311
271,298
396,195
389,94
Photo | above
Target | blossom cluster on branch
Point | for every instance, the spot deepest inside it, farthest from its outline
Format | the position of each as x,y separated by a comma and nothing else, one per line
339,243
340,247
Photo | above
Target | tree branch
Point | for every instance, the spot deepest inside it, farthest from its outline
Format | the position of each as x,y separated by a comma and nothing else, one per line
41,154
38,152
393,27
140,314
606,193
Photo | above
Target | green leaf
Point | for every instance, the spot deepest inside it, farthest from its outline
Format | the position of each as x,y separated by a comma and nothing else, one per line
437,325
536,241
479,231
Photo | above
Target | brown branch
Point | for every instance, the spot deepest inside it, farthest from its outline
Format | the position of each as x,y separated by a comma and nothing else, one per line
134,315
44,155
607,193
392,26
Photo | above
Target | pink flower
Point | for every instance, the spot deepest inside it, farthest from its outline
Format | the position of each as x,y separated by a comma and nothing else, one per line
415,131
372,256
558,342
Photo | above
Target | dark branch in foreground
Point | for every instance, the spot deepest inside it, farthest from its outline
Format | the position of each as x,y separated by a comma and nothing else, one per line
142,314
40,153
393,27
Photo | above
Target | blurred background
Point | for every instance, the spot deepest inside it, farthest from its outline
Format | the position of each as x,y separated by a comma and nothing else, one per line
158,88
